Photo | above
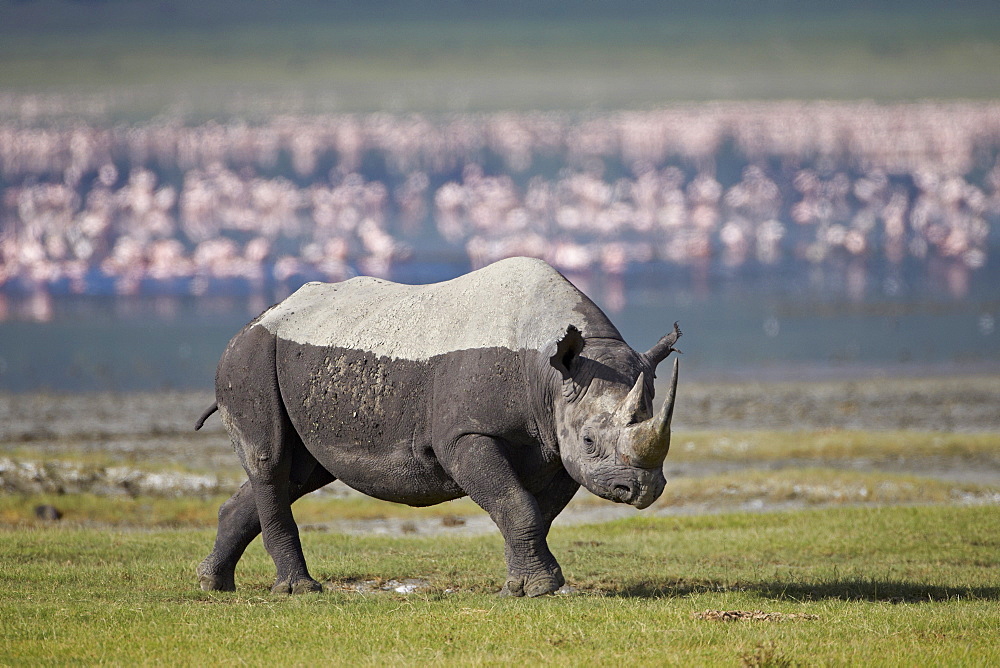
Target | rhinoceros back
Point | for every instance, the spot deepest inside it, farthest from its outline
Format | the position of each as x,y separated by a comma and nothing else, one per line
518,304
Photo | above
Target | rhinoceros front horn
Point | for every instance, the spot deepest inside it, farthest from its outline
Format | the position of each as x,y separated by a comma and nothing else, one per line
650,439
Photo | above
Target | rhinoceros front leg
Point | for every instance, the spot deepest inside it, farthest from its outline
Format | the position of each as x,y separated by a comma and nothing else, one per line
480,467
556,495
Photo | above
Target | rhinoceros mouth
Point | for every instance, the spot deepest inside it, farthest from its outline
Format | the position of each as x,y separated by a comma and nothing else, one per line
640,488
622,494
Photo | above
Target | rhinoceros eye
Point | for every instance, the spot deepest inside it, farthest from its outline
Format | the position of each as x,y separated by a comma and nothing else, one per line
589,445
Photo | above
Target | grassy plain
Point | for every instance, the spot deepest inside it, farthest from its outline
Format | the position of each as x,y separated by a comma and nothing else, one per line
878,547
887,586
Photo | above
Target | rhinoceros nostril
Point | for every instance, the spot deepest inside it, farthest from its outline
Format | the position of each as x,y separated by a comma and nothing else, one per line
622,493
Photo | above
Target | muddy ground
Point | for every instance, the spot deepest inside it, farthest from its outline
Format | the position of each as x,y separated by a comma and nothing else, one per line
144,443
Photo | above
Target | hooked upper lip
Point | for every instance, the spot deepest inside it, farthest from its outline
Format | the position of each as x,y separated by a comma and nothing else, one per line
642,503
639,496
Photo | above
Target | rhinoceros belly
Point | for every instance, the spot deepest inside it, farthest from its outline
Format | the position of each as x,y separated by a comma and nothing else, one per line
366,420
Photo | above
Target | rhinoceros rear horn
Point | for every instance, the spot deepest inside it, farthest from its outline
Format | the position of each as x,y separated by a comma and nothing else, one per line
663,347
632,409
651,439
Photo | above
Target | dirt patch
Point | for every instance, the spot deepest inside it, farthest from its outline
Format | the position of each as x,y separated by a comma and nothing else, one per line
392,585
750,616
473,525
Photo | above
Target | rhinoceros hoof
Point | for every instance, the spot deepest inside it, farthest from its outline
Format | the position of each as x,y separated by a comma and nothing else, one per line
302,586
533,584
212,579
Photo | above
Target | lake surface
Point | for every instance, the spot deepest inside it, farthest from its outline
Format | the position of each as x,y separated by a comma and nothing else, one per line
793,322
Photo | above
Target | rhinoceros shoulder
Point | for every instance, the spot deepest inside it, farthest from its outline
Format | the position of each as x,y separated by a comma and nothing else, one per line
519,303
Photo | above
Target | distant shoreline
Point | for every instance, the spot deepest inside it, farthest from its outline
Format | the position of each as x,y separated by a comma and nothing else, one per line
955,403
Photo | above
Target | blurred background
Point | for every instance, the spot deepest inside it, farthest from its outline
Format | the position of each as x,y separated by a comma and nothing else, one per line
812,189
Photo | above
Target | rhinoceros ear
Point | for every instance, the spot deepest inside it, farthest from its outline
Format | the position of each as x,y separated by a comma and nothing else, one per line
663,347
567,349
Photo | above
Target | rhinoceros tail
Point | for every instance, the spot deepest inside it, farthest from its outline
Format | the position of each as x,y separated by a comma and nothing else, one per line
204,416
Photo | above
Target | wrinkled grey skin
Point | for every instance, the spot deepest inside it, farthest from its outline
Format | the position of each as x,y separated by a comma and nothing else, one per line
506,385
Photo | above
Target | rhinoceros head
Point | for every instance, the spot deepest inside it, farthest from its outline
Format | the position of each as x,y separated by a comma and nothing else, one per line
609,440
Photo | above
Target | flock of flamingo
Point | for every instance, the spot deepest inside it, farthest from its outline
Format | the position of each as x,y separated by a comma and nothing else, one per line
167,206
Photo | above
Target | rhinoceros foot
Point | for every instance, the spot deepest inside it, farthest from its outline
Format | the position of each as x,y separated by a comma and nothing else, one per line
300,586
213,578
533,584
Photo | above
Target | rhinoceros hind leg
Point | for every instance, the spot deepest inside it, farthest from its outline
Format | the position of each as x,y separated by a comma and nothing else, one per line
239,524
212,578
251,406
301,586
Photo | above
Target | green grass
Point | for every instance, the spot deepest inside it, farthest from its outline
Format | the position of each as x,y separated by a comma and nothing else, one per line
911,584
892,586
832,446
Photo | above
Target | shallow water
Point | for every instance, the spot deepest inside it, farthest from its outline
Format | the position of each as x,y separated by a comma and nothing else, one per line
789,323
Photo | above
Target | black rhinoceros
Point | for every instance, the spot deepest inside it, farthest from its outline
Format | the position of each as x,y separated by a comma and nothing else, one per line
507,385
